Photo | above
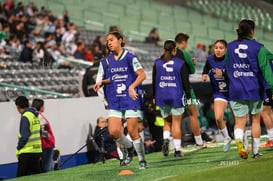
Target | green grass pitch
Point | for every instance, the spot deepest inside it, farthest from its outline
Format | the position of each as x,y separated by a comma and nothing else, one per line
206,164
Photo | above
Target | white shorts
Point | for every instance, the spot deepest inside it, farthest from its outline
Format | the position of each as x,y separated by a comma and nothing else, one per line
125,114
169,110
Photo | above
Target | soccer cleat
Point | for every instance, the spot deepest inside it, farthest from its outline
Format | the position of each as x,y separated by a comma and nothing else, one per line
268,144
201,146
227,142
240,148
129,156
165,147
178,154
122,163
142,164
257,155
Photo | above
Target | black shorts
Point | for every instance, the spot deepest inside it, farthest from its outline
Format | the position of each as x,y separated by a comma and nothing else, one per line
268,102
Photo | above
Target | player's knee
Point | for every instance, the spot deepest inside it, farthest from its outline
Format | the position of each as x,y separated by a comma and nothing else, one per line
219,118
115,133
134,137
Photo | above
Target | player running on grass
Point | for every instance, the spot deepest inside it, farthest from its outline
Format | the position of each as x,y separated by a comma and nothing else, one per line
121,74
214,69
247,62
170,81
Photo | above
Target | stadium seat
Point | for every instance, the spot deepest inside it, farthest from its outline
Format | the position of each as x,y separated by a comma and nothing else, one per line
205,21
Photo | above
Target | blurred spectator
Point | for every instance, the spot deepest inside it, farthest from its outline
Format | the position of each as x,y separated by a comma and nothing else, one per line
4,32
47,137
72,29
43,10
29,146
88,54
49,40
148,141
97,54
69,37
88,82
39,21
27,22
104,140
58,54
15,44
3,55
62,25
29,9
200,53
101,43
8,6
79,53
47,26
11,22
26,54
42,54
211,49
39,52
58,34
20,31
153,37
50,15
31,26
99,48
66,18
20,9
155,122
3,17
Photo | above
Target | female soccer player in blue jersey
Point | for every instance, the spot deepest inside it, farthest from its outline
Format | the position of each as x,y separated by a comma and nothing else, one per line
214,69
247,65
170,81
121,74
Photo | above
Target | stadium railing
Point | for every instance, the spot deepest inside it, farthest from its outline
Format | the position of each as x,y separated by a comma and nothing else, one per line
26,90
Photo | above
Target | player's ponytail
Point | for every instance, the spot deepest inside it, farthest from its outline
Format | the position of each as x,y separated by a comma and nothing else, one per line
169,46
245,29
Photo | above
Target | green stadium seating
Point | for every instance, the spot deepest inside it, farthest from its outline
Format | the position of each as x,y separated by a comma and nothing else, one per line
136,17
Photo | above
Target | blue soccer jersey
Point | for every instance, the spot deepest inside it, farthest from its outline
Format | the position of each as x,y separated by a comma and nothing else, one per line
168,83
218,83
243,71
121,74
